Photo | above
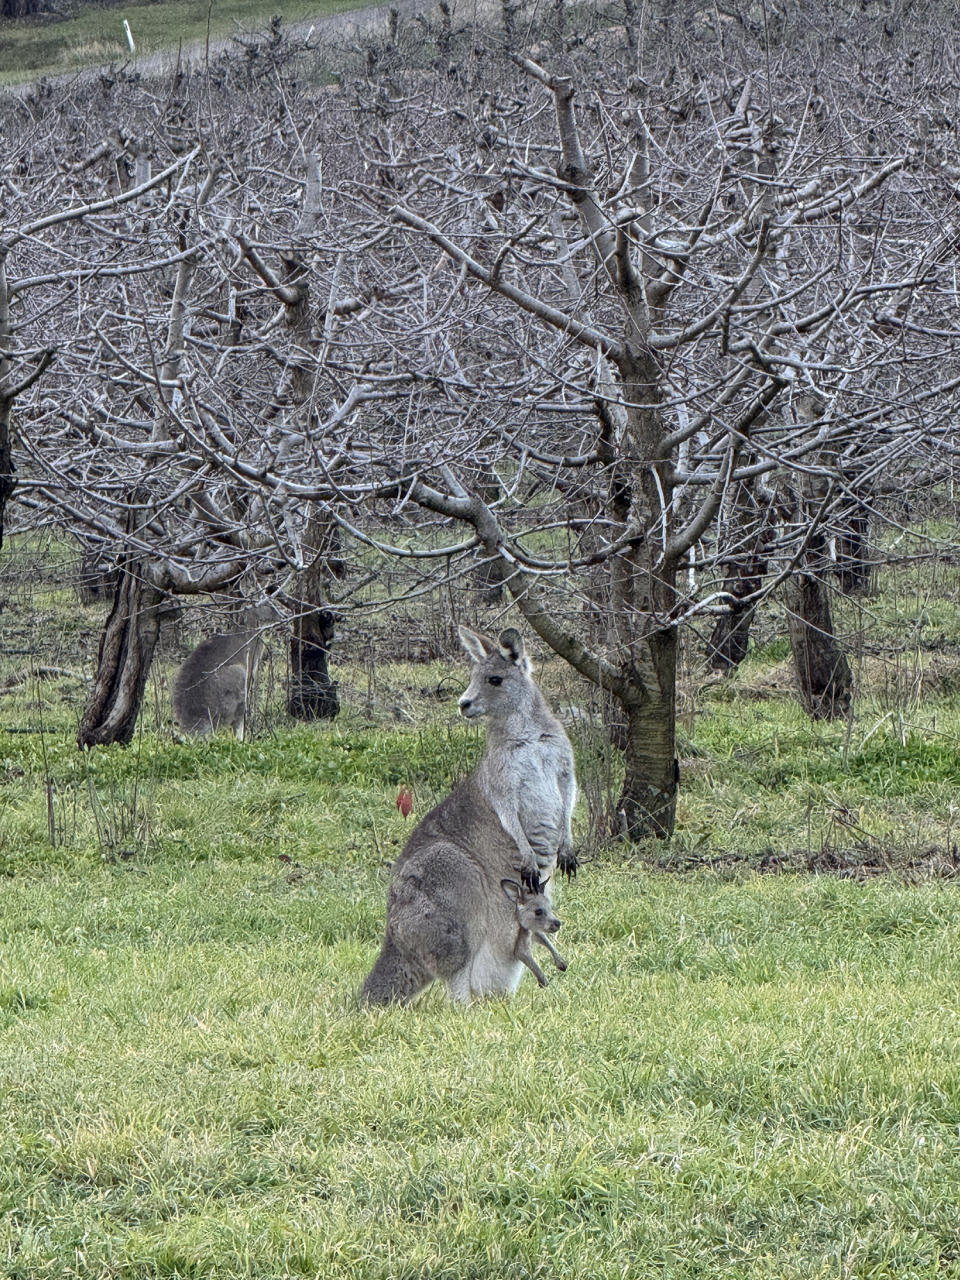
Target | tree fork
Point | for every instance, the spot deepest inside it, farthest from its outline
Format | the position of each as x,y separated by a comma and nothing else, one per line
126,651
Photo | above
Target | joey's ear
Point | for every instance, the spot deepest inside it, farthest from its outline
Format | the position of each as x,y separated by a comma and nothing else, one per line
478,646
513,890
511,646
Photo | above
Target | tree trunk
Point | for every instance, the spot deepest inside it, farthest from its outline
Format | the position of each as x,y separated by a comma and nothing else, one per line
853,553
730,637
747,535
489,578
313,695
824,682
648,803
126,651
6,460
491,573
823,673
96,580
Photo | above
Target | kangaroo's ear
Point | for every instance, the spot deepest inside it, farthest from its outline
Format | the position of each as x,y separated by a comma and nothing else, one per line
511,647
513,890
478,646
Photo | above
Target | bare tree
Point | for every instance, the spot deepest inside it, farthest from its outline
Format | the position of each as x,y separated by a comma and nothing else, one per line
634,299
557,319
172,377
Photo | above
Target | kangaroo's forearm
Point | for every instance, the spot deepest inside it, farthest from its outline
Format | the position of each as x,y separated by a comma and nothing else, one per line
513,827
523,954
558,959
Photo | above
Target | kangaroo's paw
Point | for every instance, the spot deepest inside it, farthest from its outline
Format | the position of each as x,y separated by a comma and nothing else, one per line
567,863
530,878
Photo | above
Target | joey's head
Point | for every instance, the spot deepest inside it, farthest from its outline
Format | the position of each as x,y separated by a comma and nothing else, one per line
500,685
534,910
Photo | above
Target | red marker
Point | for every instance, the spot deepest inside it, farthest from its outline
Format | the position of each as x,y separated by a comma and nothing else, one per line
405,801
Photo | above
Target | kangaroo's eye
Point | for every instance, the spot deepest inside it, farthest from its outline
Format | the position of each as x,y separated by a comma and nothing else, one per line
495,680
539,911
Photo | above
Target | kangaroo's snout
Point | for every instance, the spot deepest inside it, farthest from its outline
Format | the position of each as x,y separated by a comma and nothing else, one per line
467,709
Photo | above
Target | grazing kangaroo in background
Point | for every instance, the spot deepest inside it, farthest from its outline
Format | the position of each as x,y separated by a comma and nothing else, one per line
213,686
450,913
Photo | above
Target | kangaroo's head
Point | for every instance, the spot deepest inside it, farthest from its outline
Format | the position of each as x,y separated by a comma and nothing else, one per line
258,617
534,910
501,684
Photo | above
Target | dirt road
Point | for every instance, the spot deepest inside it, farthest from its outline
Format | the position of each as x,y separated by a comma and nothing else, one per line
337,27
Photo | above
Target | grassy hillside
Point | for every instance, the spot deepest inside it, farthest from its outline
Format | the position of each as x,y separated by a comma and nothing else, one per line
94,35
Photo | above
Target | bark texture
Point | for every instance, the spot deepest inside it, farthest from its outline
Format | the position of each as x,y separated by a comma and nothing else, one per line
126,651
648,802
854,563
823,674
313,695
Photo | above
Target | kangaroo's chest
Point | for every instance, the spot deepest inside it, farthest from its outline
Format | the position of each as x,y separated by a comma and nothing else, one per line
539,773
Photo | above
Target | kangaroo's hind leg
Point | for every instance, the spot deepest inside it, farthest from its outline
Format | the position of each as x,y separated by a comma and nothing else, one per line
395,978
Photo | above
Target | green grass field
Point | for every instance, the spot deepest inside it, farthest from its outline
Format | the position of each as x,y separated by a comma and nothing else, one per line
732,1079
740,1075
92,35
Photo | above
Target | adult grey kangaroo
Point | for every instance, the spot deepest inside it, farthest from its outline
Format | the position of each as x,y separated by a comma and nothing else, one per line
213,686
527,771
449,914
